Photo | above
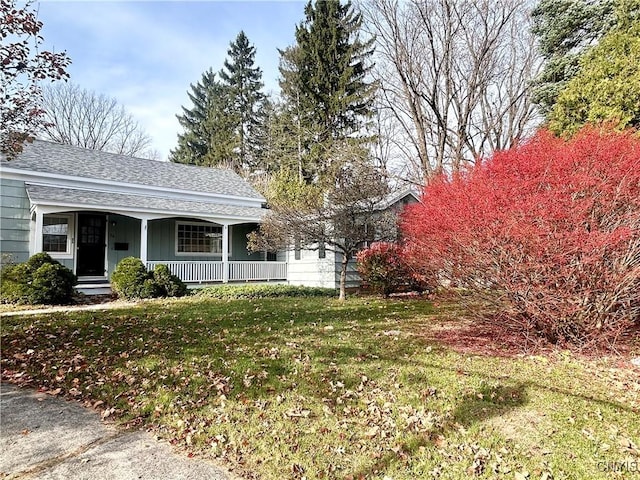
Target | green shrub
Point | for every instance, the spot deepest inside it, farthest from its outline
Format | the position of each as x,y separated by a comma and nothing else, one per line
52,284
39,280
38,260
12,290
131,280
150,289
129,277
230,292
169,284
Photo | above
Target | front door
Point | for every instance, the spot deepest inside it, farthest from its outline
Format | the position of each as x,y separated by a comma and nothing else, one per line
91,245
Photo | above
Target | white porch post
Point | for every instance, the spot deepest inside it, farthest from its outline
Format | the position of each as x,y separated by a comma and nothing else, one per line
225,253
143,241
37,246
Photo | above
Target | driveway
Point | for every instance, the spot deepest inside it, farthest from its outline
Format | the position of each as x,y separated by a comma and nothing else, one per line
46,437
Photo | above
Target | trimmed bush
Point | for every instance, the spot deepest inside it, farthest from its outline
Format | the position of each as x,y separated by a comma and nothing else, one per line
150,289
232,292
39,280
52,284
168,284
128,279
131,280
12,288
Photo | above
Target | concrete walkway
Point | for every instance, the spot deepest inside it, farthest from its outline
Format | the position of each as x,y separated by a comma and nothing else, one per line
49,438
113,305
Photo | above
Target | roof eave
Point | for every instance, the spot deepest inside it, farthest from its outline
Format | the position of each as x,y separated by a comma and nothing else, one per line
144,211
26,175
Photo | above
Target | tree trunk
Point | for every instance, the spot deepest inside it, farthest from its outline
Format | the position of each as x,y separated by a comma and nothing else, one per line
343,277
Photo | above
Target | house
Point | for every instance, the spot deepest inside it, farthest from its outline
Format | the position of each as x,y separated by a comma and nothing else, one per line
89,209
320,267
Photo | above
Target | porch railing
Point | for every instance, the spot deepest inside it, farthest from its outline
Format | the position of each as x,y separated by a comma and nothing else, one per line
201,272
247,271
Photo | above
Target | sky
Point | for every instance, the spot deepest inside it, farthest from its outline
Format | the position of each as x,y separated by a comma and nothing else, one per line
147,53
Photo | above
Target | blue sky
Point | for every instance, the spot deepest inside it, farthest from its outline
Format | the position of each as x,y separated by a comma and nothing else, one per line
145,54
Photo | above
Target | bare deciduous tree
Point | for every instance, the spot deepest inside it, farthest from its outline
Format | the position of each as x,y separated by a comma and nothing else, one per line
80,117
456,76
340,215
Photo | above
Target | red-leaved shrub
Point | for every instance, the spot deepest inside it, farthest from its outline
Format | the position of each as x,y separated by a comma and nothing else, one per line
384,266
548,231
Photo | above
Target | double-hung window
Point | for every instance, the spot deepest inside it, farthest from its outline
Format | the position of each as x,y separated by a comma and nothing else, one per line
57,234
195,238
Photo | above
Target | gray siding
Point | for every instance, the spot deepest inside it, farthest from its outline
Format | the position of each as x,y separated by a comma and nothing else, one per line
353,277
67,262
162,239
124,230
311,271
238,243
14,220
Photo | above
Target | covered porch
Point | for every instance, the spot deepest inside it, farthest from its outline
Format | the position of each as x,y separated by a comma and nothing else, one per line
200,243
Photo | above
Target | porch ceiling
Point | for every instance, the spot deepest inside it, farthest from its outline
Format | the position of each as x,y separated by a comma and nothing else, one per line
125,203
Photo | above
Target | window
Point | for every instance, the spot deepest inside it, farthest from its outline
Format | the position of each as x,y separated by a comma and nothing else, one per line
296,247
56,234
366,234
198,238
322,251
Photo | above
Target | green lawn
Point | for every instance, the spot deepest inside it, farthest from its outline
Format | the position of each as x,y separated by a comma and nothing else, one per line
315,388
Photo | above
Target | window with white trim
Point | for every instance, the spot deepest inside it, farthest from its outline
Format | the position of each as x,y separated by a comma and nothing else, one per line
57,232
296,247
198,238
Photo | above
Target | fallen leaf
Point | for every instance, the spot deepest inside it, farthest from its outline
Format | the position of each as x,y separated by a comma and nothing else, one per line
372,432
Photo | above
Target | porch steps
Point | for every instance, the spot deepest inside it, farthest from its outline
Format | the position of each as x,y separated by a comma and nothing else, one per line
94,288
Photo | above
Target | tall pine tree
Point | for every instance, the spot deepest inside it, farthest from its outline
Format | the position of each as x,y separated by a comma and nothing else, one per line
224,126
243,81
207,138
323,81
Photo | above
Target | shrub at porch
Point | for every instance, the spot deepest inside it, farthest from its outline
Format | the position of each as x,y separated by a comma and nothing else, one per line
128,279
131,280
548,232
39,280
169,284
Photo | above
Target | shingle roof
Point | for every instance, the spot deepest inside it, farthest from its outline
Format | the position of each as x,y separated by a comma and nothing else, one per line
45,194
396,196
49,157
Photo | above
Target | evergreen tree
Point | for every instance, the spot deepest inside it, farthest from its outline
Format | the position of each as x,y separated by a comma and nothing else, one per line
292,124
566,30
243,81
607,87
207,136
277,137
323,81
225,123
